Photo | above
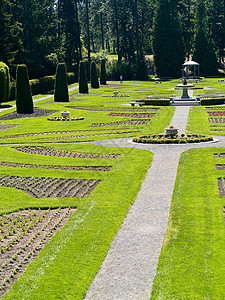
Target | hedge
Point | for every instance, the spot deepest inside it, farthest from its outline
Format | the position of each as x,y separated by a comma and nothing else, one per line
24,102
212,101
41,85
4,82
61,93
94,76
156,102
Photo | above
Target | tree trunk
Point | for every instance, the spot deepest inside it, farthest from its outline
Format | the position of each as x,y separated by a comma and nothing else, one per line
102,32
88,30
117,31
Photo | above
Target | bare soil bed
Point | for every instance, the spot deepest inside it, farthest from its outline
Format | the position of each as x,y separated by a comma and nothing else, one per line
54,133
101,108
221,186
131,115
22,236
220,167
218,155
6,126
44,187
37,113
62,153
122,123
216,120
77,168
88,135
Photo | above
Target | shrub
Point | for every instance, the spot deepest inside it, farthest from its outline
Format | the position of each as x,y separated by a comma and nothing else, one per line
103,76
117,68
24,102
4,82
156,102
212,101
61,93
94,76
83,85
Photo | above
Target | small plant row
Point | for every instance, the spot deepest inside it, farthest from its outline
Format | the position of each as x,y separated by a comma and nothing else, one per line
108,108
37,113
172,139
132,115
45,187
65,118
77,168
6,126
62,153
220,167
117,96
217,129
89,135
216,113
216,120
122,123
215,108
26,247
218,155
221,186
58,132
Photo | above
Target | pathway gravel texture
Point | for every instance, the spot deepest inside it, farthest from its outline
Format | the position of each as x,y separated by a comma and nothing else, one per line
129,268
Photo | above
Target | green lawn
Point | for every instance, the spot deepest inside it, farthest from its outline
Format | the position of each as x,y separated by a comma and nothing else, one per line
192,259
193,246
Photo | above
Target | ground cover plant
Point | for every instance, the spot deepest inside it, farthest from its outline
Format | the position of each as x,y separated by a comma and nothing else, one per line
191,263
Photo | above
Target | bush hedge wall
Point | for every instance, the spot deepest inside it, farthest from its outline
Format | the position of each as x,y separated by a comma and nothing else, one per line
212,101
4,82
156,102
41,85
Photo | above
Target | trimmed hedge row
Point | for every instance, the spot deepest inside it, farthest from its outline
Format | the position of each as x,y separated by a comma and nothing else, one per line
156,102
212,101
41,85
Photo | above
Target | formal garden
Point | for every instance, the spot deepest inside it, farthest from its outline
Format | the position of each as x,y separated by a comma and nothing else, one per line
64,198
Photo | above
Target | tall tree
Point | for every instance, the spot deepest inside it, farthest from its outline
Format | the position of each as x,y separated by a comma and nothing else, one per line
167,40
204,52
5,34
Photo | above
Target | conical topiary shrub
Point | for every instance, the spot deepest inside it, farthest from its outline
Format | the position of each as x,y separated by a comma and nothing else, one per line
24,101
103,73
94,76
4,82
61,93
82,77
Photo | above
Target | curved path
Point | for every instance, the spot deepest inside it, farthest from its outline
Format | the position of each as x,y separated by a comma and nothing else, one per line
129,268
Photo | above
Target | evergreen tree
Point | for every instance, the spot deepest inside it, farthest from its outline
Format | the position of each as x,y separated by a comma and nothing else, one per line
103,76
168,44
24,102
82,77
204,52
5,33
61,88
94,76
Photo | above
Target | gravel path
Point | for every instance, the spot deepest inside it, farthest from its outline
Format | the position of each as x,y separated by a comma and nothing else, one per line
129,268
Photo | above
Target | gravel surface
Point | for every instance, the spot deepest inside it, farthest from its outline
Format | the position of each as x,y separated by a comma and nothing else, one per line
129,268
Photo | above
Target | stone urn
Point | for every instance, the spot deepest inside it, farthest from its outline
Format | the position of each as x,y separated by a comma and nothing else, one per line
171,130
65,114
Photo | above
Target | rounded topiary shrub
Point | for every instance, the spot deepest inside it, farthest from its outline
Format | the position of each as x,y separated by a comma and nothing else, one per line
94,76
82,77
61,93
103,73
24,101
4,82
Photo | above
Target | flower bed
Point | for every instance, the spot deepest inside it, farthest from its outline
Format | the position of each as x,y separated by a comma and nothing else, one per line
37,113
132,115
65,118
175,139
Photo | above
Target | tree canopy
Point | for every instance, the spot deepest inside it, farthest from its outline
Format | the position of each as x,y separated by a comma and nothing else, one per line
41,33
